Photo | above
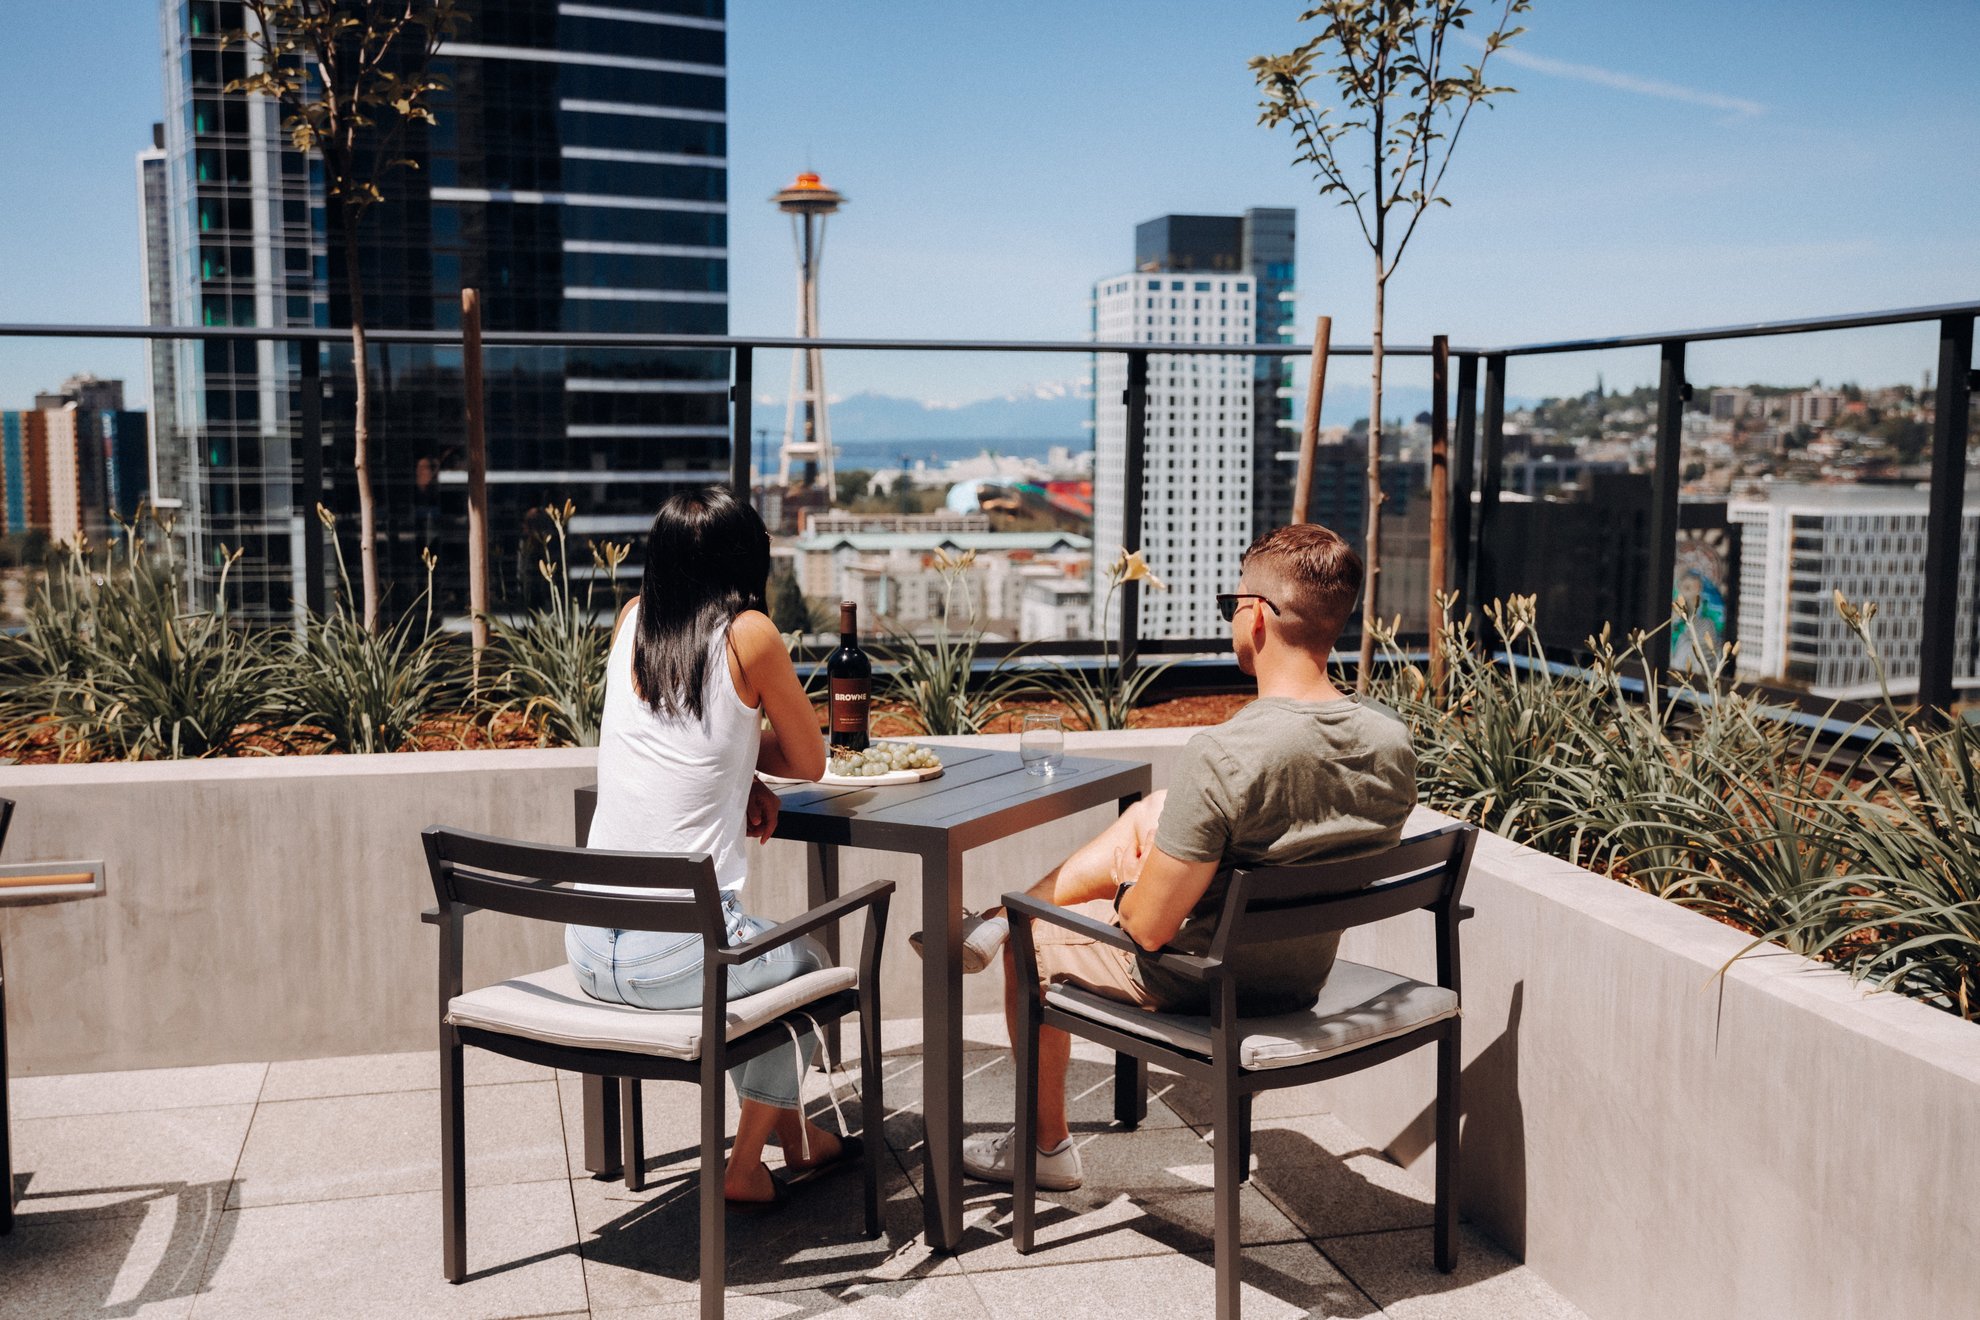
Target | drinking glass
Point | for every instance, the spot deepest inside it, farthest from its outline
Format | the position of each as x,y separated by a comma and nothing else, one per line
1042,744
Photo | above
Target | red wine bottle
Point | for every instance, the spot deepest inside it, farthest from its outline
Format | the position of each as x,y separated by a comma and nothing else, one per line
850,675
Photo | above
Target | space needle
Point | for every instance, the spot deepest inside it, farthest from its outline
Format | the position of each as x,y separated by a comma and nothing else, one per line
807,430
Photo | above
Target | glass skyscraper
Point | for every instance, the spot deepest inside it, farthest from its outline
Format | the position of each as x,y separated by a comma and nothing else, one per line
1258,243
576,177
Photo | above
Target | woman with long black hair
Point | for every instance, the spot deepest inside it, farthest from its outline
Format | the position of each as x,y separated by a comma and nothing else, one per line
696,668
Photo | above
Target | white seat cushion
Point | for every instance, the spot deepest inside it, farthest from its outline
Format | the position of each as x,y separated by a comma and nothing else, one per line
1358,1006
551,1006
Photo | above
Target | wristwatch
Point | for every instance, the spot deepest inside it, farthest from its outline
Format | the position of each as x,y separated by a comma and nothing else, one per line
1121,893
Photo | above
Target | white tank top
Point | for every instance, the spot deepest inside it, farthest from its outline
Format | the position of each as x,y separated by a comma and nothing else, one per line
673,783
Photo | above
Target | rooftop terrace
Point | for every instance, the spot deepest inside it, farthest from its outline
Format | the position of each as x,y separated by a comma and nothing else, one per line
310,1187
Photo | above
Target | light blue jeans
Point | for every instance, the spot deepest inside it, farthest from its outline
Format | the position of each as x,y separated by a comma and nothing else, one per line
662,970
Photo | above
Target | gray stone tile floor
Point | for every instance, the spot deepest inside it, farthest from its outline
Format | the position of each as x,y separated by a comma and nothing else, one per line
311,1188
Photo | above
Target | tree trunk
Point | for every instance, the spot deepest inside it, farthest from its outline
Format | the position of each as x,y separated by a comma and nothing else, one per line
1372,552
361,431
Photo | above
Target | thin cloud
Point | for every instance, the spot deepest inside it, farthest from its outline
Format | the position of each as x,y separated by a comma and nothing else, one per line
1623,82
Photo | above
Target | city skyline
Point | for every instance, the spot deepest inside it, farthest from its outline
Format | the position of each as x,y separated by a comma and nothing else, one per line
1724,184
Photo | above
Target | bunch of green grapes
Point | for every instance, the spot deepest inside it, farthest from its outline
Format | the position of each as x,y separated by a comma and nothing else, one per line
883,758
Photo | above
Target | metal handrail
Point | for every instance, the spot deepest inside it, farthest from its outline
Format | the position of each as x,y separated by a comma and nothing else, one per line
573,339
1479,438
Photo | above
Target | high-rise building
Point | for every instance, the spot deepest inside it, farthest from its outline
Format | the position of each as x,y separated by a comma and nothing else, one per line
1802,544
54,475
1260,244
576,176
166,456
1196,480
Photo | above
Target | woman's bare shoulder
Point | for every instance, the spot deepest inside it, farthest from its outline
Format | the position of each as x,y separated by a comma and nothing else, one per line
754,636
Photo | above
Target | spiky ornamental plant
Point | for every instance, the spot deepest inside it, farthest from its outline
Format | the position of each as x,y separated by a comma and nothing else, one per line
936,679
1393,102
351,77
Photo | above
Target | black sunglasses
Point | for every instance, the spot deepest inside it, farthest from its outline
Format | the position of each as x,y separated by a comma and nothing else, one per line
1227,603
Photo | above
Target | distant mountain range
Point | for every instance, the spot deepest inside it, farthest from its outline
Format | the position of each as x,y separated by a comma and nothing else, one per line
1056,411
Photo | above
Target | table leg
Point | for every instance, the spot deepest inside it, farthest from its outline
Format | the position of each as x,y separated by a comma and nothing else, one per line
941,1045
821,885
1130,1073
601,1127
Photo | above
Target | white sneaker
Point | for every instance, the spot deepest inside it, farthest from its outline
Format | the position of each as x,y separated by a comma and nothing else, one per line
993,1159
983,938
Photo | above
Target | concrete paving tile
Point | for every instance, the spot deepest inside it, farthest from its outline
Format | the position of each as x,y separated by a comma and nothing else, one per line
379,1256
147,1089
373,1145
941,1298
990,1098
114,1165
1397,1270
1146,1194
367,1074
673,1121
641,1249
1329,1181
1192,1100
1284,1280
144,1264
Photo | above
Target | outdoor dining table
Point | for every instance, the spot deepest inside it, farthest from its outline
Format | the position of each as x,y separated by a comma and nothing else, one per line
980,797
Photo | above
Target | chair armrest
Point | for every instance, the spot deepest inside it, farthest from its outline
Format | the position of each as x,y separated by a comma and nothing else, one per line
431,916
823,915
1187,964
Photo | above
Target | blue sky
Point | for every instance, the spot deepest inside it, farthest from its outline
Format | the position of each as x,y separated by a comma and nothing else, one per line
1665,163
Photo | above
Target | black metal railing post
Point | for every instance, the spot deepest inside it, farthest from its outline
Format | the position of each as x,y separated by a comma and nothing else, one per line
1491,474
310,437
1134,487
1666,472
1938,639
741,391
1464,461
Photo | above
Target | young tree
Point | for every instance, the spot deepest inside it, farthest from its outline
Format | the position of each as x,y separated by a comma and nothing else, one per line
351,76
1396,105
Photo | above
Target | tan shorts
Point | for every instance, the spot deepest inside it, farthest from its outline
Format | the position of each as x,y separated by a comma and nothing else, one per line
1074,959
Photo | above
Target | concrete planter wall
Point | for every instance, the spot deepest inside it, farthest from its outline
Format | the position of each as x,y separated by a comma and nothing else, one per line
1655,1140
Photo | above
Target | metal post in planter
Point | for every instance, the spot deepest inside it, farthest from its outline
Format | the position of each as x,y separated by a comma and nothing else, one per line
1134,486
1464,463
739,422
1660,563
310,438
1491,472
1938,638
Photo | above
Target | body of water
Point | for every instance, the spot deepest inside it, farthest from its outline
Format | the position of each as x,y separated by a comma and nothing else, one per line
874,454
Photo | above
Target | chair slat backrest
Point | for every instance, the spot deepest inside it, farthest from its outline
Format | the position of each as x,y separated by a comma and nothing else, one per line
529,879
1273,904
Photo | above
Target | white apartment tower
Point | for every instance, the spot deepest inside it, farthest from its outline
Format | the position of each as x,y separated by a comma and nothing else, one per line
1801,545
1196,504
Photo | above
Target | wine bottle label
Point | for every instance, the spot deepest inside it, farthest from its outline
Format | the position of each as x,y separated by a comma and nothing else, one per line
851,698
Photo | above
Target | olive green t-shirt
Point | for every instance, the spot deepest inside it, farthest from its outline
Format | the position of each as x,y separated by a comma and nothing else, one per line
1280,783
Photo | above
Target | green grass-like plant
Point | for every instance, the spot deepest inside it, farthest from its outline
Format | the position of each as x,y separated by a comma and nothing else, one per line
364,691
549,665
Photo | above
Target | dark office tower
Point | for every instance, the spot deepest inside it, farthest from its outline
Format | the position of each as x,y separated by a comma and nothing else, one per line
1260,244
576,177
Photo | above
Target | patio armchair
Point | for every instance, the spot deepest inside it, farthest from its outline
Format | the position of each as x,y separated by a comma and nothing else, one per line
1364,1016
547,1018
